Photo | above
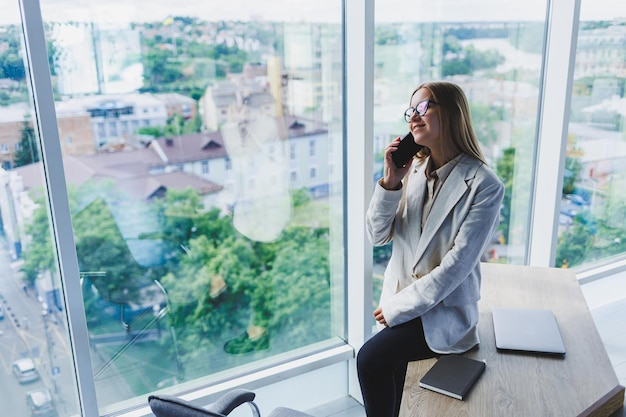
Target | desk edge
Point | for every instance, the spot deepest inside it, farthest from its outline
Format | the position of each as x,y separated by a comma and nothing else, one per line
606,405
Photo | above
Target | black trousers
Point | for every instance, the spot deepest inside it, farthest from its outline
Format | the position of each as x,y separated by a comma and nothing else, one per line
382,362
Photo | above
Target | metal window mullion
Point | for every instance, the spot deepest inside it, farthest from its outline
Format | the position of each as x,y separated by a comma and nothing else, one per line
358,151
559,60
46,125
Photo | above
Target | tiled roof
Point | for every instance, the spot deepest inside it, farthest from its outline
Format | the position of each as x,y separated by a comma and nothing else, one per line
192,147
129,169
149,186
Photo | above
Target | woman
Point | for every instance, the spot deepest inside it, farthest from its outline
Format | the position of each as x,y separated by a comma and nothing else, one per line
441,210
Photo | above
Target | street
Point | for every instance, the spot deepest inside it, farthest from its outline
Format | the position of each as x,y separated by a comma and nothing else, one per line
26,332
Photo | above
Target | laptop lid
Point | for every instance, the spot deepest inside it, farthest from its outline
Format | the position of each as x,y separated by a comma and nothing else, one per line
531,330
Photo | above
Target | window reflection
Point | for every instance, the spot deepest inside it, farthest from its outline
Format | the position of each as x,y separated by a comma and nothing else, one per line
181,136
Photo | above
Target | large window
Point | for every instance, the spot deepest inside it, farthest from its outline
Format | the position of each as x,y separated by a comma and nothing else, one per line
188,278
127,267
593,205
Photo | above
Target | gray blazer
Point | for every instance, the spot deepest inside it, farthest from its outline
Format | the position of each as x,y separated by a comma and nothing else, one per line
435,272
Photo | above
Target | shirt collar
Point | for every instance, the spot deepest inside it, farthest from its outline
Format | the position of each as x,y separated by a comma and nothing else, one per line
443,171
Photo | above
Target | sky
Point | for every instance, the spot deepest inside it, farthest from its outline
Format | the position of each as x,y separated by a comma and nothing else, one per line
122,11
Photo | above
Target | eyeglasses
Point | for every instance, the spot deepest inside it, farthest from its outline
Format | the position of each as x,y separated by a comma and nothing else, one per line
421,108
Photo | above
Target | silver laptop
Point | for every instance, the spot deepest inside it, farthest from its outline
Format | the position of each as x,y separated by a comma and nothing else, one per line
531,330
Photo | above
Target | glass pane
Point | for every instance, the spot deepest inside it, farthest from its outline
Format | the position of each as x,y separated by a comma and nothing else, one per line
203,151
593,205
37,375
493,50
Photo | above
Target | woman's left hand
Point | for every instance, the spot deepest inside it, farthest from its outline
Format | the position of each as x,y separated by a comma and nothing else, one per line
378,315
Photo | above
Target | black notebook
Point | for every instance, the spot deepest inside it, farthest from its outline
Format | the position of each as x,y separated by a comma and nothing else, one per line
453,375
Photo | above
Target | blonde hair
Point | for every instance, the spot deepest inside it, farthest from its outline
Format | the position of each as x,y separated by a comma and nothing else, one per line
454,117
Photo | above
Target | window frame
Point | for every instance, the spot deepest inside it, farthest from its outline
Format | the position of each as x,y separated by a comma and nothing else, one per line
562,29
45,121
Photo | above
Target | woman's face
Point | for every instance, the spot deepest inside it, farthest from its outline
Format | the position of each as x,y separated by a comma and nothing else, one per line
425,128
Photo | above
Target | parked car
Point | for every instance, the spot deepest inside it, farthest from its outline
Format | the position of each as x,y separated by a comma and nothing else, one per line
24,370
40,403
1,313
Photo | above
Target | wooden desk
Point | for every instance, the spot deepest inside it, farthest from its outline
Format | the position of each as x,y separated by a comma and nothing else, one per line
583,383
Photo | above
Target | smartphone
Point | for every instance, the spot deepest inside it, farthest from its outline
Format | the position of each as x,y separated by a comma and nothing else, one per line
406,150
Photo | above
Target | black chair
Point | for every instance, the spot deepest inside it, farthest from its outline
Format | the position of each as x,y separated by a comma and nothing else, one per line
170,406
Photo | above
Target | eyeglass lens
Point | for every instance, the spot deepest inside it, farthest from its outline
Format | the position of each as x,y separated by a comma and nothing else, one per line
421,107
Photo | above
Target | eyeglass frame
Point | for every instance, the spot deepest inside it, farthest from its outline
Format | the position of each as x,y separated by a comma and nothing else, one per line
413,110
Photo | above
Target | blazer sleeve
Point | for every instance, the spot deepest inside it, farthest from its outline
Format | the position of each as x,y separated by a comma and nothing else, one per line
458,259
381,213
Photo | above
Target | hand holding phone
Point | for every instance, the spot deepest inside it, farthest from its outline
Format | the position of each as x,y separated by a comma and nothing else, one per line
407,148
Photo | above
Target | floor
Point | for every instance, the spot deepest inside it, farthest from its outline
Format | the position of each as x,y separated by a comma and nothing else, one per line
345,407
607,301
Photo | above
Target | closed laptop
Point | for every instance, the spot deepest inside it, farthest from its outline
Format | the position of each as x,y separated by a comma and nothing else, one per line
530,330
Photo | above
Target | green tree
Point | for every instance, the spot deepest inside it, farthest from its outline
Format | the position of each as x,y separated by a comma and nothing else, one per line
225,282
505,168
300,284
573,166
179,214
104,250
100,249
177,125
485,120
12,65
38,255
386,35
28,151
161,68
154,131
573,245
468,60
